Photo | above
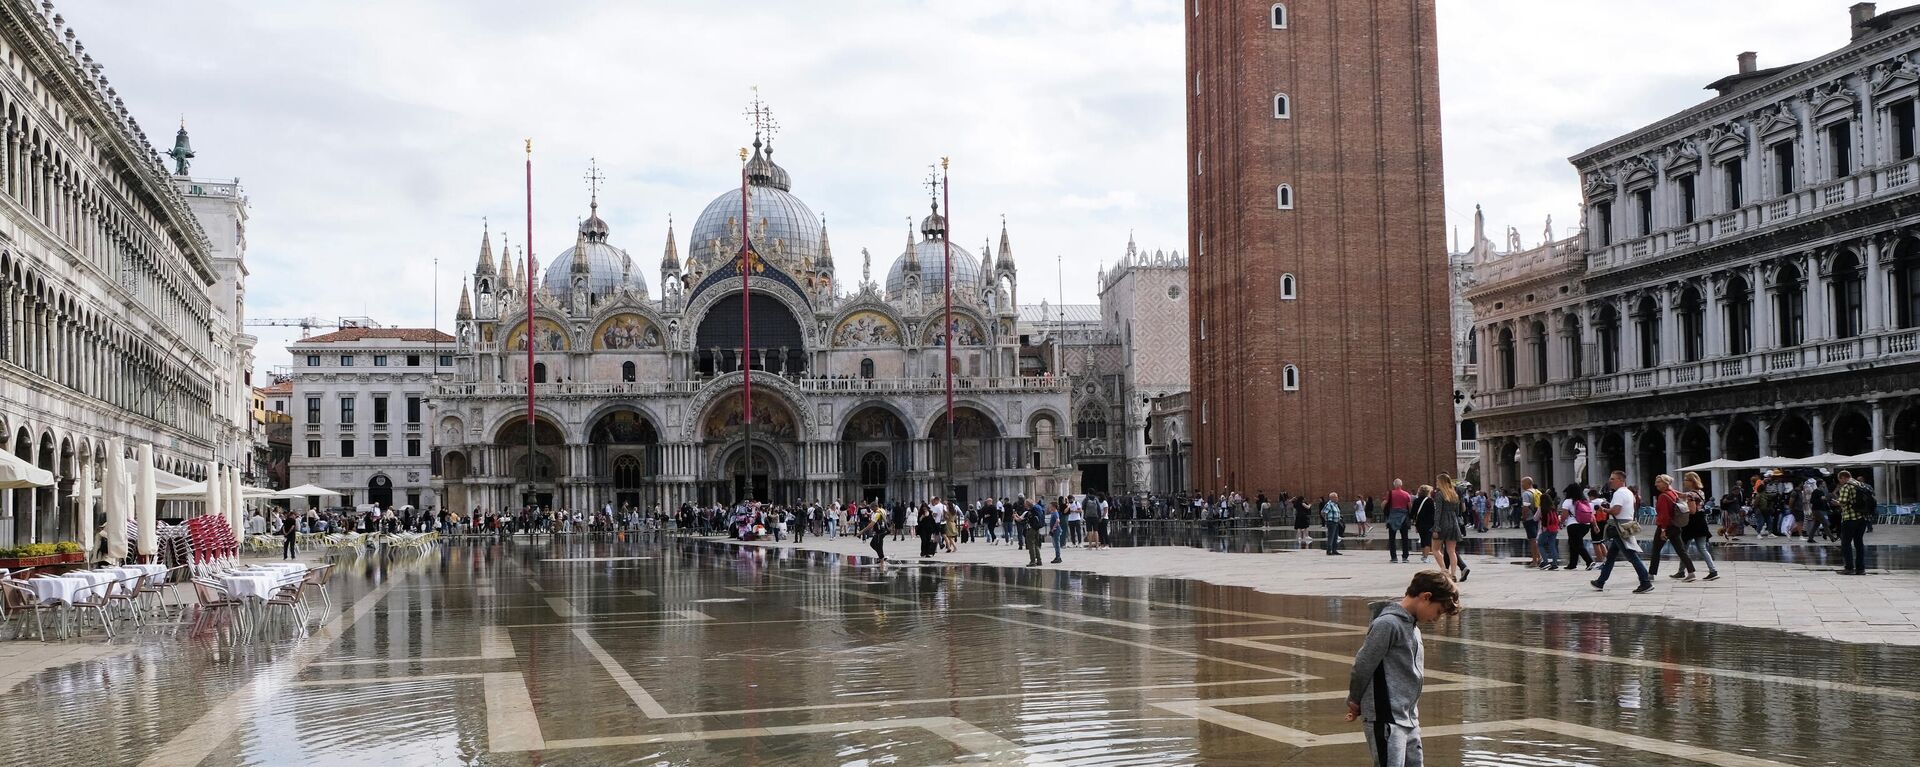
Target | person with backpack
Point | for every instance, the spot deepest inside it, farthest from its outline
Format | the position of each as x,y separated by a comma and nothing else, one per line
1578,513
1670,518
1693,495
1856,502
876,533
1549,538
1530,520
1030,527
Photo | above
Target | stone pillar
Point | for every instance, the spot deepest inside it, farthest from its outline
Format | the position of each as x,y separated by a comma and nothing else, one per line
1671,433
1562,461
1713,320
1631,460
1876,288
1629,334
1716,450
1765,337
1597,467
1763,434
1877,421
1819,326
1669,326
1819,422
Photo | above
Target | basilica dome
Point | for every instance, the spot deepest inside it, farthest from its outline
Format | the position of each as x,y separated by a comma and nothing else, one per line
789,221
608,267
930,254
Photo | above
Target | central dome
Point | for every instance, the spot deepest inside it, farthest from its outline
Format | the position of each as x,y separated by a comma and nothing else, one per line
608,268
930,255
789,222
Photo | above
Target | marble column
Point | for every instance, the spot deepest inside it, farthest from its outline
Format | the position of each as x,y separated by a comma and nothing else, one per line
1817,325
1765,337
1671,433
1875,287
1819,422
1716,450
1631,459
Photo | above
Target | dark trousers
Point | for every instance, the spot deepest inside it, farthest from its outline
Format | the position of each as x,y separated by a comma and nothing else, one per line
1404,547
877,541
799,532
1853,545
1576,548
1670,534
288,547
1333,537
1033,546
1073,531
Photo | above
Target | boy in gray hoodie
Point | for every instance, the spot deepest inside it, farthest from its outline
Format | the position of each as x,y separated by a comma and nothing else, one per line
1391,664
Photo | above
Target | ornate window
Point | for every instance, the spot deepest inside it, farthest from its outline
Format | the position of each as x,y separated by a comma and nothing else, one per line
1290,378
1279,15
626,372
1790,306
1282,106
1284,196
1692,316
866,367
1503,348
1848,297
1288,288
873,469
539,372
1739,307
626,472
1647,320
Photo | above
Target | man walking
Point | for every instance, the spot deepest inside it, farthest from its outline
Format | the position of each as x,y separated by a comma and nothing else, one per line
1856,502
1389,670
1530,519
1621,530
1330,514
1399,511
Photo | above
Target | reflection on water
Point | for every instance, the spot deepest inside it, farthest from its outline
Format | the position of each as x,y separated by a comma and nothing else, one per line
741,655
1276,539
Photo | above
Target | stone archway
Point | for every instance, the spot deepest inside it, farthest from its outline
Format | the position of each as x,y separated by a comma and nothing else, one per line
875,447
974,453
1793,437
536,474
776,432
624,452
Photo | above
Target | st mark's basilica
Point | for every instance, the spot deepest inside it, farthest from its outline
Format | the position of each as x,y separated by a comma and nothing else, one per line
639,394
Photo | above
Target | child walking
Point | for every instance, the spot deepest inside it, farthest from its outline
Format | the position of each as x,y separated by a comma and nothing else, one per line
1384,688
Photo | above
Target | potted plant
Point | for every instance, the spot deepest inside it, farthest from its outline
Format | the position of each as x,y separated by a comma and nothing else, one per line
30,555
69,551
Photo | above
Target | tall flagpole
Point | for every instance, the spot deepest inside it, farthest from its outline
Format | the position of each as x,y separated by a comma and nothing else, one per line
746,316
530,334
946,286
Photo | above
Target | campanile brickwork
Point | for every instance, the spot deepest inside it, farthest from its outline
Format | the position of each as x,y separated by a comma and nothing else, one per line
1367,328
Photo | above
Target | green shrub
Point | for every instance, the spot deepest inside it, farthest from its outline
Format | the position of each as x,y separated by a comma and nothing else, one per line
67,547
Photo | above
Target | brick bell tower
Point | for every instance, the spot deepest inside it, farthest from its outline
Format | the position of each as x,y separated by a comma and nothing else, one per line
1319,287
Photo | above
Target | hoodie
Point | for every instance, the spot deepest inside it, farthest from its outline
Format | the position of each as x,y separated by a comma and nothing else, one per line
1389,669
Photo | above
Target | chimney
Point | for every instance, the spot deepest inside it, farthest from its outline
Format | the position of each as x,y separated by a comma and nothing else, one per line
1748,62
1859,15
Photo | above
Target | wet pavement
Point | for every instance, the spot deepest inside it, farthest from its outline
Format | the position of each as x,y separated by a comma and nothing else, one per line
690,652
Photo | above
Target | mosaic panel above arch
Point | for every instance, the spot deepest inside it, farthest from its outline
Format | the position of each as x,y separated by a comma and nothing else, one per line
626,332
865,329
547,334
966,332
726,418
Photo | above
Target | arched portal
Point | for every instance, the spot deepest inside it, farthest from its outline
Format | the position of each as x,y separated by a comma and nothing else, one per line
875,441
626,450
775,436
1544,474
453,471
537,475
974,451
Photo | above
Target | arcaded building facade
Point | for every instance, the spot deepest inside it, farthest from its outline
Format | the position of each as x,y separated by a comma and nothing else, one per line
1319,304
1748,283
640,392
108,333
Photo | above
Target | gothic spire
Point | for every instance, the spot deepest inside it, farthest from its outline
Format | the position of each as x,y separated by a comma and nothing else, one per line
580,263
486,251
912,264
670,260
1006,247
826,250
465,312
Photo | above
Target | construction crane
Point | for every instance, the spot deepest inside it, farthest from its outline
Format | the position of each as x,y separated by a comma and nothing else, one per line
307,324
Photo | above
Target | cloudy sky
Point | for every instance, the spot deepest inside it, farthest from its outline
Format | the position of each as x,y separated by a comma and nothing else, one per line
373,138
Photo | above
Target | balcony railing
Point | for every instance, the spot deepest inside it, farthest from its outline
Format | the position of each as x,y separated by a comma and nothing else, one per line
810,385
1866,185
1891,347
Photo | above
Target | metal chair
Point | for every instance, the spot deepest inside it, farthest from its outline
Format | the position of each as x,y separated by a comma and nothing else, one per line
316,578
16,596
288,597
211,597
125,593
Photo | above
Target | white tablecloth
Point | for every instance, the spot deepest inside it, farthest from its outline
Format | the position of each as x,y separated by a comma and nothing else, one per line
256,586
62,589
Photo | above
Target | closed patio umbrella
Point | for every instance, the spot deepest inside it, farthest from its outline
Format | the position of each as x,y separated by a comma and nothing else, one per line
236,505
117,496
215,491
146,505
83,502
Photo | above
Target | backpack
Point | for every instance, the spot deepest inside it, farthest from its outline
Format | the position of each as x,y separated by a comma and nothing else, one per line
1863,499
1682,513
1034,522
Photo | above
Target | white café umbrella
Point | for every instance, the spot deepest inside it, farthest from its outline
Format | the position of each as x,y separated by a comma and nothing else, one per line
1812,462
17,474
1887,455
117,497
304,491
214,491
236,504
145,504
83,503
1723,463
194,492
